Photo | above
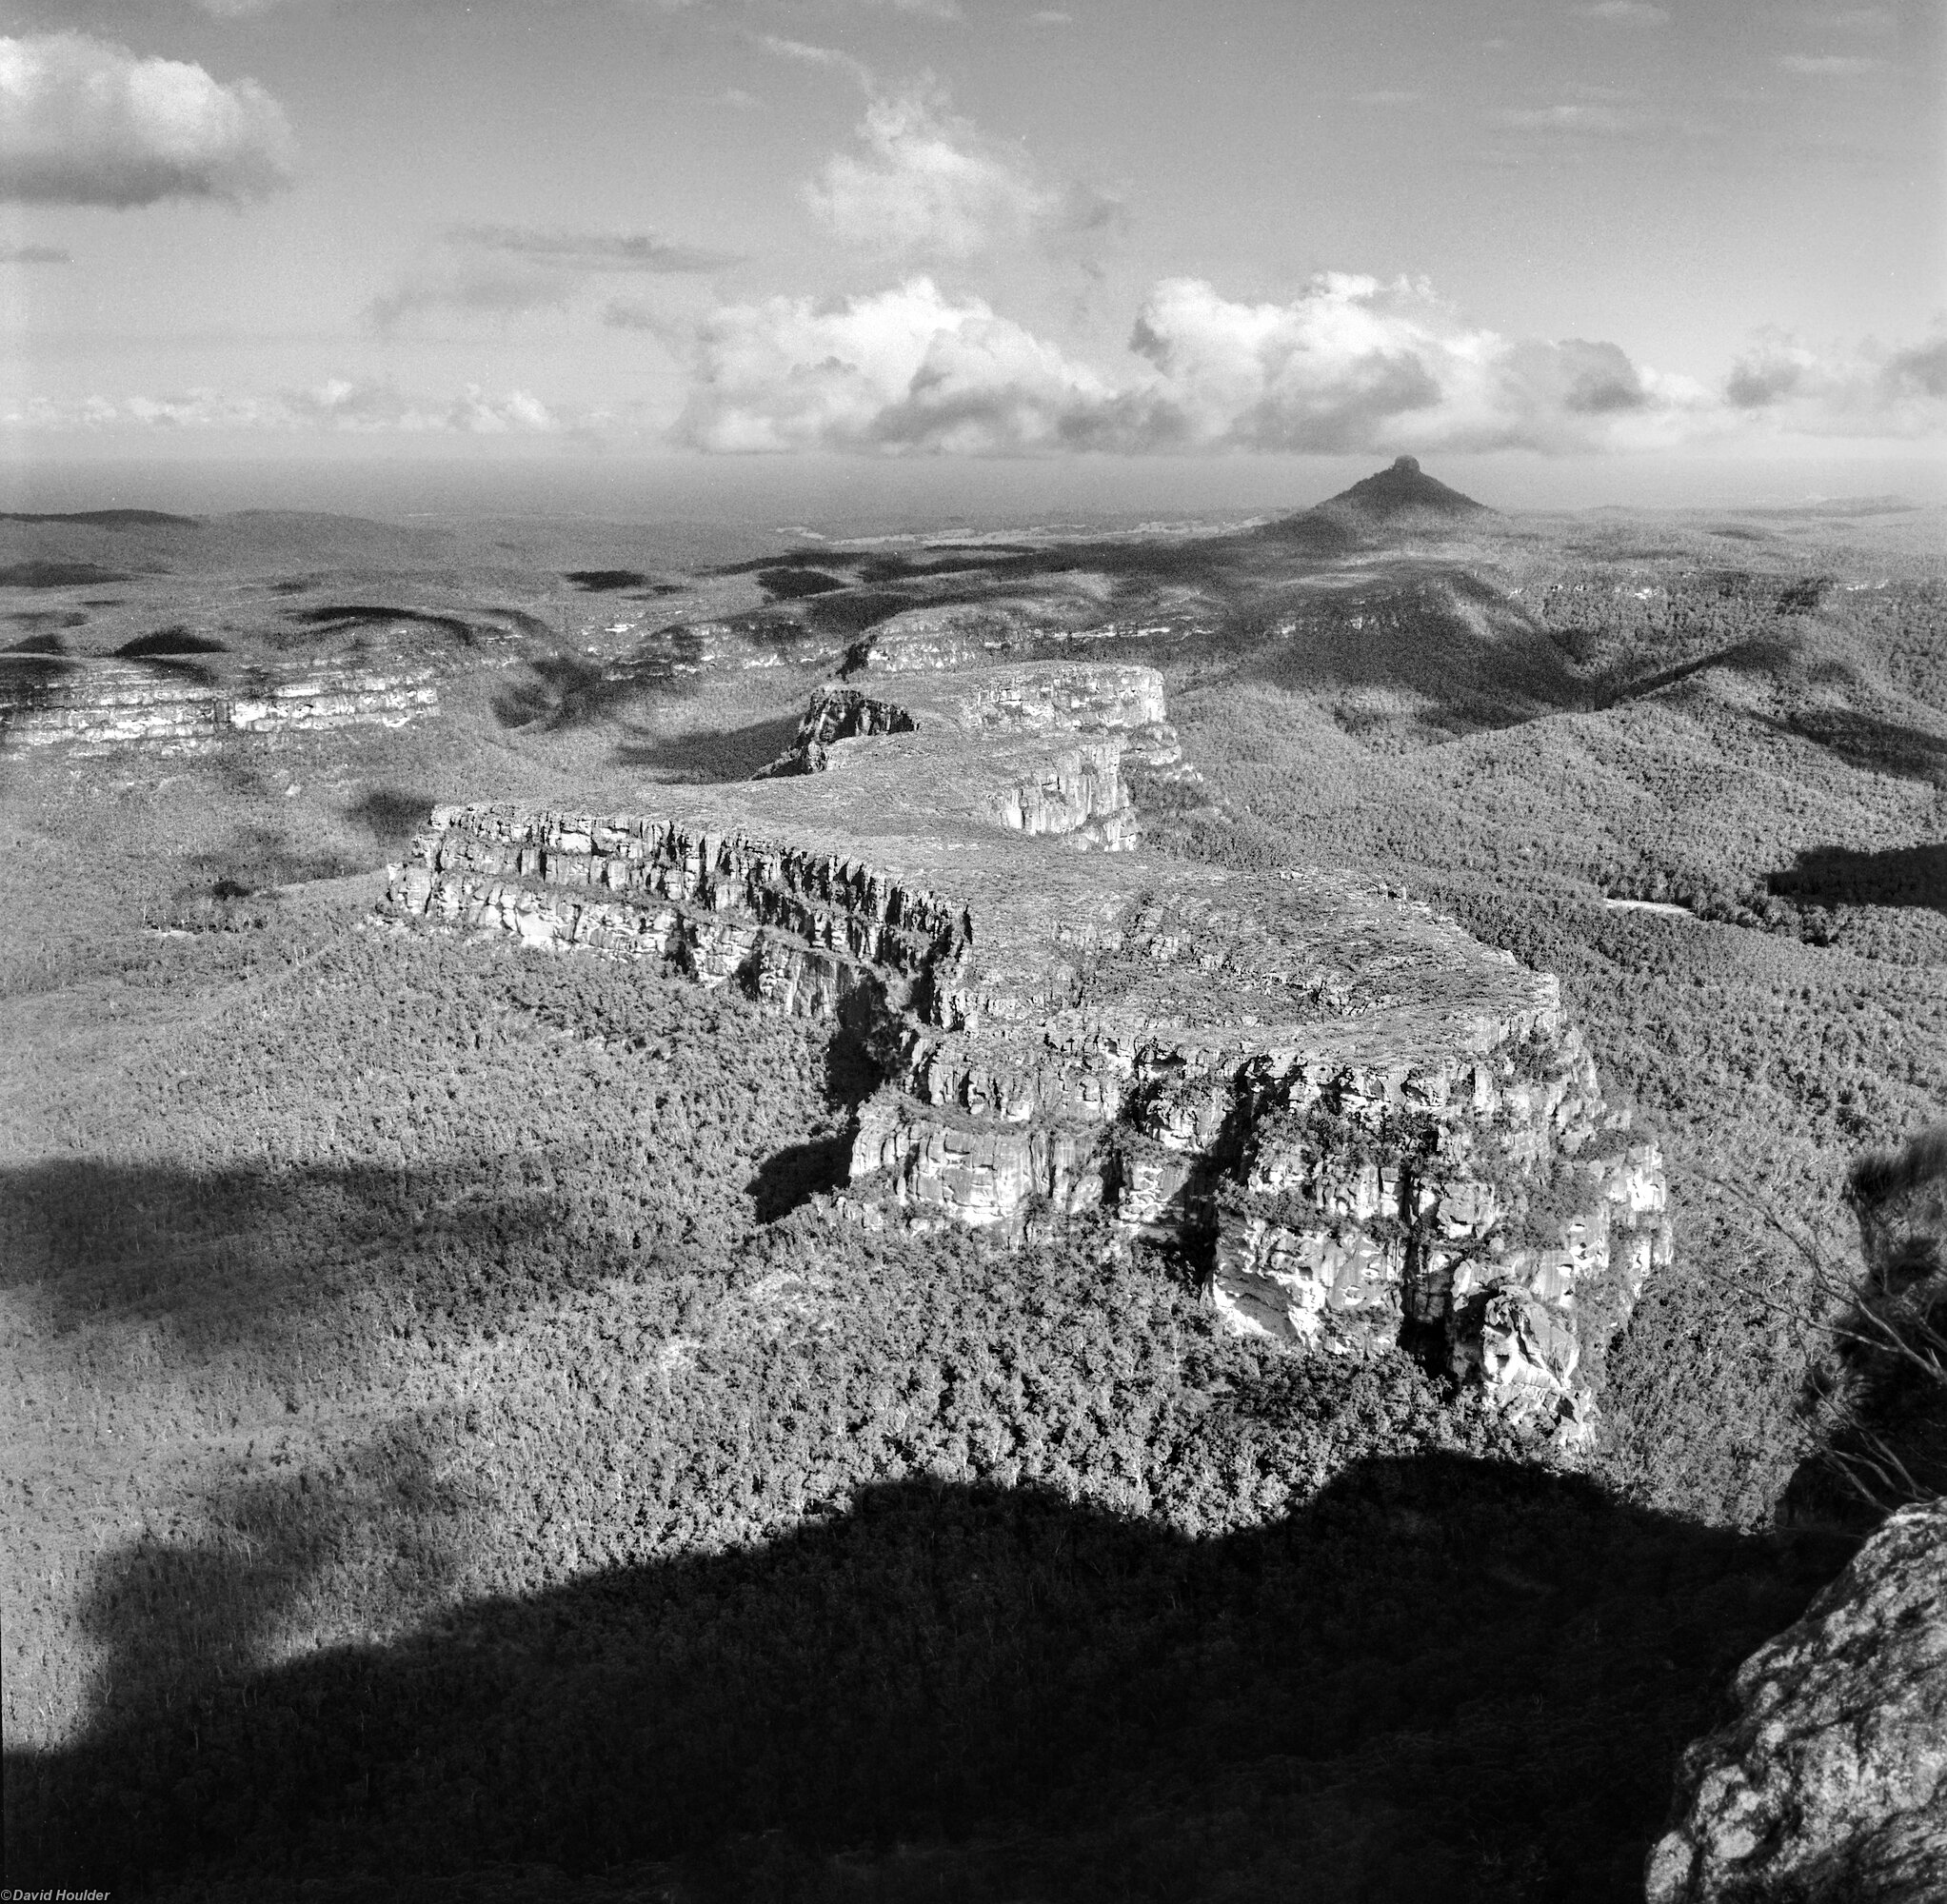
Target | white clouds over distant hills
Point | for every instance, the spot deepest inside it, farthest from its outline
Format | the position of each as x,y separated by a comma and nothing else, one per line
84,120
903,369
929,184
1351,365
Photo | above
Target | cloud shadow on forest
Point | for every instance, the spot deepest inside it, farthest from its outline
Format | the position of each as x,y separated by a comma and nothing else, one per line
1873,746
714,756
273,1259
1899,876
1439,1678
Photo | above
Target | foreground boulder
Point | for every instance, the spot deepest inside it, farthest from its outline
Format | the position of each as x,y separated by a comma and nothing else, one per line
1830,1785
1361,1123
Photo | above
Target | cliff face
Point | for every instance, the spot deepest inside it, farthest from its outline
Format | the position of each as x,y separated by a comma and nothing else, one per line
96,705
1356,1119
1830,1784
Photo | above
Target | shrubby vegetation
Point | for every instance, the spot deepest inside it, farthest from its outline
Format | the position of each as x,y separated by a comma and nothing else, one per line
1765,1059
537,1503
450,1458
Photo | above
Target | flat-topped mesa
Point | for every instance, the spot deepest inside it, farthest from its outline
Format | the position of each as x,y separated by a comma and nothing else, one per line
1361,1122
1004,731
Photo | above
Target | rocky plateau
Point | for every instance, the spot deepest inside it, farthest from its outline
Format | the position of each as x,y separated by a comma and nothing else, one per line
1360,1124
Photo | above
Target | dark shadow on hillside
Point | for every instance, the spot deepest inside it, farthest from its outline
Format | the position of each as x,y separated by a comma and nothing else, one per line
342,616
269,1258
1905,876
787,1180
605,581
1761,656
1439,1679
1873,746
51,574
31,679
175,640
391,815
567,690
727,754
1453,640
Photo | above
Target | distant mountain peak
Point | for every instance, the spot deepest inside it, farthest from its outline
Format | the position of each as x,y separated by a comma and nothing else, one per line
1401,497
1403,489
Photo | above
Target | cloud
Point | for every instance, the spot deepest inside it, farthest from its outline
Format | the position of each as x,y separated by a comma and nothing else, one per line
472,288
1600,121
803,54
1626,13
1829,66
1050,16
1870,389
1387,97
338,404
86,122
930,185
35,254
507,271
1350,365
592,251
900,368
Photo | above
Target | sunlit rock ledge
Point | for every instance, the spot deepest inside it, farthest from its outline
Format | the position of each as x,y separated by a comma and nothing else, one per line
95,706
1359,1122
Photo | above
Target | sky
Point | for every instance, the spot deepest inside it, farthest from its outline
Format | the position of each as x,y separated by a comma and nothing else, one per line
1616,249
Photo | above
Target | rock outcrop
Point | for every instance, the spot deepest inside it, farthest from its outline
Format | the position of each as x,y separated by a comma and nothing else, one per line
93,705
1830,1785
1357,1119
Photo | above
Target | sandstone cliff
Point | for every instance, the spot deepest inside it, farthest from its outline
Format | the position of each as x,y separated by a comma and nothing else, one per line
99,703
1830,1784
1357,1119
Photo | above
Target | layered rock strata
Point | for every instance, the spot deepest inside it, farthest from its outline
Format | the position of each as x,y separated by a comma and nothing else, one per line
1829,1783
94,705
1359,1121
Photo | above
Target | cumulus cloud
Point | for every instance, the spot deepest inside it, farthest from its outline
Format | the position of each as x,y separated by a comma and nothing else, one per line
84,120
906,367
1358,364
35,254
931,184
1350,365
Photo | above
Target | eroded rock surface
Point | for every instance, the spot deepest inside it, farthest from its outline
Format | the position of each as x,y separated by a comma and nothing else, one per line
101,703
1830,1785
1359,1120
